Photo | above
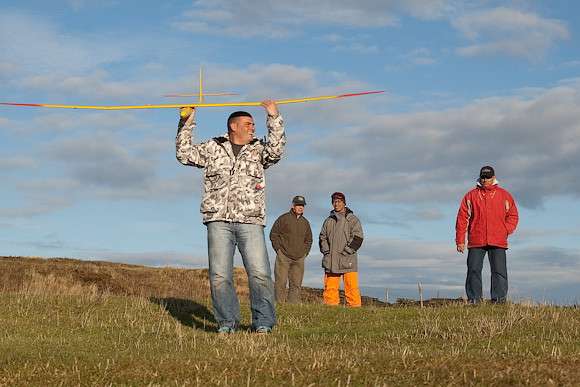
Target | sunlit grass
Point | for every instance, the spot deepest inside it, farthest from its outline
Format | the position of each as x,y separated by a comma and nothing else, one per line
103,339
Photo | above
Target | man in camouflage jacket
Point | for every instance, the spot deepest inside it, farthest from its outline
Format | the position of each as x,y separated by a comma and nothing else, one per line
234,210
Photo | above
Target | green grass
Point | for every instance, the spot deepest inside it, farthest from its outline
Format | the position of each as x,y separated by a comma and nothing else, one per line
115,340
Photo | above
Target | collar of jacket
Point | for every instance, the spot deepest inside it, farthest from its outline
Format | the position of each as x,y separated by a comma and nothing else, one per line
492,188
347,211
226,137
295,214
478,184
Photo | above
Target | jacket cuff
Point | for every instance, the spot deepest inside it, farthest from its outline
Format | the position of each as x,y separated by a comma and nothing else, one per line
348,251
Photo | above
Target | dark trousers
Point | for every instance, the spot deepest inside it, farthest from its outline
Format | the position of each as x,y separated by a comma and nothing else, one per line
499,277
291,271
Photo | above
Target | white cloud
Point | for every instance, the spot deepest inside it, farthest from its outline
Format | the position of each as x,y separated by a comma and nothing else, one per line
358,48
509,31
282,19
429,10
419,57
17,163
500,30
40,202
7,68
35,46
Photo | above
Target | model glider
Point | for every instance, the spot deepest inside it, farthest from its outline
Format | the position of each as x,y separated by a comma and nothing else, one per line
197,104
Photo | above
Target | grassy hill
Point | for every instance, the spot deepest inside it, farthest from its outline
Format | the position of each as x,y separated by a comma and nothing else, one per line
71,276
68,322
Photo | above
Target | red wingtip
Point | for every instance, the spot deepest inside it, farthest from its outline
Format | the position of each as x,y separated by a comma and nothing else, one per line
21,104
368,92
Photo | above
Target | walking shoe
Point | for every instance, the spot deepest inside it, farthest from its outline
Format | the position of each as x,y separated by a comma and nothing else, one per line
263,330
226,331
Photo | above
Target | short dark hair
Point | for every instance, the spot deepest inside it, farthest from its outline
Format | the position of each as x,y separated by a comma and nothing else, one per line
235,115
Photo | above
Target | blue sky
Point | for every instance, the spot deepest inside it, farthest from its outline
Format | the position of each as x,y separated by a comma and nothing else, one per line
468,83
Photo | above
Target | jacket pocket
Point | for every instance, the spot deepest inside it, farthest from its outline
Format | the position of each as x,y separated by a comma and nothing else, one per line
252,185
215,191
252,202
214,182
347,262
254,169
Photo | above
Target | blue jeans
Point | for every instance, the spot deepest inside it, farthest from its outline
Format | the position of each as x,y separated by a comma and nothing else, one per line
222,239
499,277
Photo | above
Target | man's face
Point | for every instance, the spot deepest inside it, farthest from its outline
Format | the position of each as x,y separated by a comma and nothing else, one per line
243,130
298,209
338,205
487,182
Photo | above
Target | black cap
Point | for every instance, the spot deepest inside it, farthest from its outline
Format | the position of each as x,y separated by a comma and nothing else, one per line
299,201
487,172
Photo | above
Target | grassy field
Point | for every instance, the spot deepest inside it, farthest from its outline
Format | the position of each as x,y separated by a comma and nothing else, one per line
54,333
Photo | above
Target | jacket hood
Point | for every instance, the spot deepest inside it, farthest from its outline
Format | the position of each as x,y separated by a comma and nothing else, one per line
346,212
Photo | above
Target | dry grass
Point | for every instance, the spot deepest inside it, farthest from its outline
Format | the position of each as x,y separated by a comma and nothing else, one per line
64,326
71,276
111,340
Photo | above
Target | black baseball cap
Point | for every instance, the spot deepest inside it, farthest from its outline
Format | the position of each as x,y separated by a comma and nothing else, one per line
299,201
487,172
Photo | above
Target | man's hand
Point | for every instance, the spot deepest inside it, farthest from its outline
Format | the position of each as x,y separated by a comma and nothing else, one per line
184,112
461,247
271,107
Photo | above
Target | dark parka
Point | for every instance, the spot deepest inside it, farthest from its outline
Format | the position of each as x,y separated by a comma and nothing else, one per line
292,235
340,238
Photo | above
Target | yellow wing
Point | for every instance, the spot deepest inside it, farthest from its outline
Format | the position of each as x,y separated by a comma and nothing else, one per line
200,104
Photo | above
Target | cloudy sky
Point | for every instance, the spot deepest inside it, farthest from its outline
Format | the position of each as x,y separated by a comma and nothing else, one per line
468,83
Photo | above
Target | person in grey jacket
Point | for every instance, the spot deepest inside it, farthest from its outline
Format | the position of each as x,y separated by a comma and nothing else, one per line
234,210
340,238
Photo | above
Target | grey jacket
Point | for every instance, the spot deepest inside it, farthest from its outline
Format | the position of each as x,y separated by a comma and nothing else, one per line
340,238
234,186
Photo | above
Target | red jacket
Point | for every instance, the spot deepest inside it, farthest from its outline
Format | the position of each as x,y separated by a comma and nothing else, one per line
488,215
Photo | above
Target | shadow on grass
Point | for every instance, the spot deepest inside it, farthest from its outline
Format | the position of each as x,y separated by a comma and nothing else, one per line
191,313
188,313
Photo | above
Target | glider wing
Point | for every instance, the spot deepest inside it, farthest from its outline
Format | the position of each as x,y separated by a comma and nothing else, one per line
199,104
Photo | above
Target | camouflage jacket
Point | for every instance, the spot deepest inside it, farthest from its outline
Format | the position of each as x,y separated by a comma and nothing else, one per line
234,186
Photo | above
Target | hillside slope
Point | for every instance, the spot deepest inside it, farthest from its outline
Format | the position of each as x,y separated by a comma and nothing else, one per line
73,276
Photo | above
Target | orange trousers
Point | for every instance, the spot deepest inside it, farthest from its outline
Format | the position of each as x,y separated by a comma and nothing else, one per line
332,283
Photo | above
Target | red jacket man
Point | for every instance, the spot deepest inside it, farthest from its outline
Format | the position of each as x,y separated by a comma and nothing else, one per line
488,214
